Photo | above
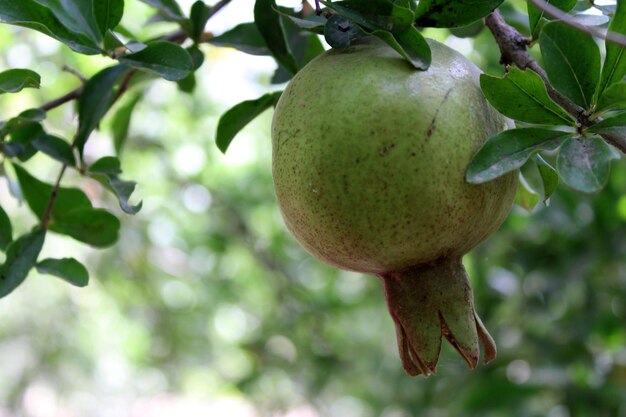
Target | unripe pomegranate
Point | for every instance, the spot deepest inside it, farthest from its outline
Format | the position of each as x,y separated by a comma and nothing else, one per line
369,161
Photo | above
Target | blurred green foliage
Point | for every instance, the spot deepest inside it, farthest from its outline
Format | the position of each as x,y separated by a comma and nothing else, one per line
208,303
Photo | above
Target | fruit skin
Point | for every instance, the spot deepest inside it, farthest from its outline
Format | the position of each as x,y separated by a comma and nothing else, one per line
369,159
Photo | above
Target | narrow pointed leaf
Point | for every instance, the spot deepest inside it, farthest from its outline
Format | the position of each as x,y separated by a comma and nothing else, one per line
522,95
268,23
549,177
21,256
613,97
15,80
584,163
6,230
120,123
68,269
244,37
107,13
614,67
453,13
107,170
615,125
56,148
572,61
95,101
33,15
163,58
240,115
509,150
410,44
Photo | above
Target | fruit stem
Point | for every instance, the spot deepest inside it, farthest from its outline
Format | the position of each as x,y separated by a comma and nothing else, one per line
429,301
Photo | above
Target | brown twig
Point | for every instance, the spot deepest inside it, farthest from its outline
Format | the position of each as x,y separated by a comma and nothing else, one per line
45,220
514,50
72,95
566,18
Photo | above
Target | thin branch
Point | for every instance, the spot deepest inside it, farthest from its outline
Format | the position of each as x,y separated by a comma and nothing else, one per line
514,50
217,7
566,18
72,95
45,220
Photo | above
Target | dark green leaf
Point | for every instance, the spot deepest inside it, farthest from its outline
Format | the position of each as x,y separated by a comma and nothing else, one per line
166,59
614,67
339,32
112,42
37,195
120,123
21,257
199,16
536,16
26,117
6,230
187,84
453,13
268,23
313,23
613,97
375,14
168,8
549,177
95,101
56,148
522,95
572,61
21,146
584,163
68,269
197,57
245,38
66,24
240,115
107,171
615,125
525,196
95,227
509,150
15,80
107,13
469,31
410,44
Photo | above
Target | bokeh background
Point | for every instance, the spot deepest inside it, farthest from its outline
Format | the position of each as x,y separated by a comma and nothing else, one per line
208,307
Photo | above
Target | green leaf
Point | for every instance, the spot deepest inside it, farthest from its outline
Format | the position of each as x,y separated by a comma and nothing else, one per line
313,23
107,13
549,177
166,59
168,8
65,22
572,61
37,195
244,37
375,14
95,227
509,150
21,257
268,23
95,101
107,170
240,115
526,197
56,148
6,230
410,44
339,32
15,80
613,97
614,67
21,145
120,122
199,16
26,117
68,269
584,163
522,95
536,16
453,13
615,125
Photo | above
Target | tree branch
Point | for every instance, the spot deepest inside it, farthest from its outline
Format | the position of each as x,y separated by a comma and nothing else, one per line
514,50
566,18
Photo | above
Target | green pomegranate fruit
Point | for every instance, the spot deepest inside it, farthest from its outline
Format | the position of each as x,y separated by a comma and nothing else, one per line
369,161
